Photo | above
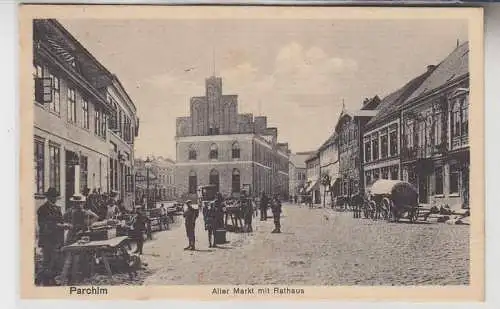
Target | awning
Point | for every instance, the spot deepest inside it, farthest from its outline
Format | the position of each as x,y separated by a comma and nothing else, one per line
335,183
311,184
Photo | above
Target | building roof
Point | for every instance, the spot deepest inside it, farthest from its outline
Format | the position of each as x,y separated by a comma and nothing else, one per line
314,155
392,102
455,66
331,139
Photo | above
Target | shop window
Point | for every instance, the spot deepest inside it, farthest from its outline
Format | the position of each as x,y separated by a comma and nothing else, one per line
454,179
192,182
39,166
385,173
438,184
55,167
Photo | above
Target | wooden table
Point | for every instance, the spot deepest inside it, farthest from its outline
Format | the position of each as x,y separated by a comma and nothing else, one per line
98,248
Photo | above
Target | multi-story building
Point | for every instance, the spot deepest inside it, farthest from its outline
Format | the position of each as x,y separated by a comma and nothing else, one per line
216,145
381,140
123,128
71,115
435,133
313,178
71,143
329,166
161,179
298,173
350,130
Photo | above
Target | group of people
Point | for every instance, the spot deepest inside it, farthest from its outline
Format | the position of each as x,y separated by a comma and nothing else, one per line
213,216
82,212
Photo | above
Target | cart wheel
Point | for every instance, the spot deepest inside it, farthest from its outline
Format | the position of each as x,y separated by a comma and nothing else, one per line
387,208
414,216
372,209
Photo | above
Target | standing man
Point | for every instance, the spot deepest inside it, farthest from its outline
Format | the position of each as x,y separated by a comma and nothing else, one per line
50,236
190,216
263,206
138,229
78,217
276,208
209,216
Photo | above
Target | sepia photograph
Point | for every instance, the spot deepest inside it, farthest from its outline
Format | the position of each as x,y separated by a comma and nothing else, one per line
254,152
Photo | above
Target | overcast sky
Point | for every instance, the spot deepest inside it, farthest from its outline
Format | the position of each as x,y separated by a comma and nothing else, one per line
299,71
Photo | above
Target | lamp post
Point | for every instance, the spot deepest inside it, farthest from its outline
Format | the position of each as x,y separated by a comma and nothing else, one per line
148,167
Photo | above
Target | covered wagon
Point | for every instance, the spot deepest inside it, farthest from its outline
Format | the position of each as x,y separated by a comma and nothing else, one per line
393,199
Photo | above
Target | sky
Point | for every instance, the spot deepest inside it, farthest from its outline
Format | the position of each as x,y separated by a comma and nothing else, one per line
295,72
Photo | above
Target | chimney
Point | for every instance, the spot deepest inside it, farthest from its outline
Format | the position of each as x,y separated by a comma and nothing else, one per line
430,67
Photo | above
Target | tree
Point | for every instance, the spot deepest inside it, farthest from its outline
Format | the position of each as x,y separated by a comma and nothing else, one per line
325,182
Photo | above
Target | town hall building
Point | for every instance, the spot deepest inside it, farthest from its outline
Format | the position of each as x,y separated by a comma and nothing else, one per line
217,145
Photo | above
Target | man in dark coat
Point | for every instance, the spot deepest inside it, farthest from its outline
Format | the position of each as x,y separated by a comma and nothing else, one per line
190,216
276,209
138,229
51,236
263,206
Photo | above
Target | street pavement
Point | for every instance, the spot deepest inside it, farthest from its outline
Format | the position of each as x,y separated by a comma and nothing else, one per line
316,247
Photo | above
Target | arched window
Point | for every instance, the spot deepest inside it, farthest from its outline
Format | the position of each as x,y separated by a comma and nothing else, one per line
214,153
236,150
192,153
214,179
236,184
192,182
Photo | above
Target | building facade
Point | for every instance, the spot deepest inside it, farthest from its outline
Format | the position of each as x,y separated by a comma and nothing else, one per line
329,166
161,180
123,128
216,145
350,130
313,178
71,115
298,174
381,140
435,134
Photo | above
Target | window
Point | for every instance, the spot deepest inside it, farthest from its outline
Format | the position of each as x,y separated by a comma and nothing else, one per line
456,120
384,144
395,172
376,174
438,128
192,153
438,183
103,125
465,117
393,140
409,134
385,173
368,150
236,181
213,152
83,172
375,146
56,95
71,105
454,179
236,150
368,177
85,114
214,179
54,167
39,166
192,182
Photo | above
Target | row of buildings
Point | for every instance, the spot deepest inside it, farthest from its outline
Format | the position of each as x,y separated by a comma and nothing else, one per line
216,145
85,123
418,133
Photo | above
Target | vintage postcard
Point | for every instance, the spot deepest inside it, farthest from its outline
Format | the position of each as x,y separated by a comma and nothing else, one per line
224,153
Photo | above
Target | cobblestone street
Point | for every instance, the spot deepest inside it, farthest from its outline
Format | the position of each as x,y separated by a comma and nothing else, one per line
316,247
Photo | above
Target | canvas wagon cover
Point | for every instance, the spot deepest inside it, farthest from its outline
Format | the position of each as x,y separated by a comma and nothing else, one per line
400,192
383,186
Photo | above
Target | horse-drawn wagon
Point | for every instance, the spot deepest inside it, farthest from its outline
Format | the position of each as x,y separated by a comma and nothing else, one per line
393,200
